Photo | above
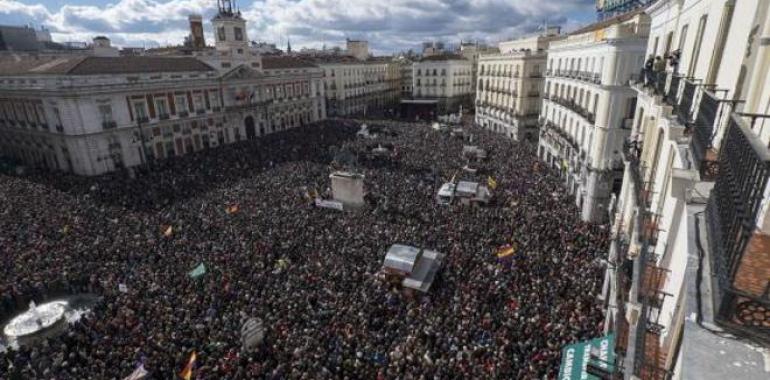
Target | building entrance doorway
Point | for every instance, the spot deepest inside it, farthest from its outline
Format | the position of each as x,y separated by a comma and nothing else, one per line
251,131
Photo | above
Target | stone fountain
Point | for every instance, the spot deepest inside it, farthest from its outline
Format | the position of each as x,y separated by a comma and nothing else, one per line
37,319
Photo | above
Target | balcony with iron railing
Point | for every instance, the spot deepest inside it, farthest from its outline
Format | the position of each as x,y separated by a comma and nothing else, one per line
650,279
574,107
742,171
673,89
659,82
703,132
741,184
552,130
584,76
696,107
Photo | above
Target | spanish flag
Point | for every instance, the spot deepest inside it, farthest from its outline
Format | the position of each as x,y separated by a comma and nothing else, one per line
491,183
505,251
186,373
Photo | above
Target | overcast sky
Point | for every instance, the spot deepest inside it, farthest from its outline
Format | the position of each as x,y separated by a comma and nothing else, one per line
388,25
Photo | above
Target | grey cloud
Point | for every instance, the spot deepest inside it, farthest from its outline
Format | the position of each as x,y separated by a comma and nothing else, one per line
390,25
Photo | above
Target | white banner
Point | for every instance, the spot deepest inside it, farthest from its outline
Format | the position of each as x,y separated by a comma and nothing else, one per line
138,374
328,204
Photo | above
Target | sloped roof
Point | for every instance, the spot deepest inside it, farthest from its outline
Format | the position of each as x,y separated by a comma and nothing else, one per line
38,65
443,57
283,62
345,59
80,65
138,64
321,59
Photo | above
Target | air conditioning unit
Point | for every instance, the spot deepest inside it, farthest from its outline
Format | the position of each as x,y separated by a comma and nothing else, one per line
633,311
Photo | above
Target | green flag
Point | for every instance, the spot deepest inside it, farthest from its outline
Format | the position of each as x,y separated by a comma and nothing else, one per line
200,270
600,352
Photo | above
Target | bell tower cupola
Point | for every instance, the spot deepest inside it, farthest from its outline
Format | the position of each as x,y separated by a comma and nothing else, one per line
229,28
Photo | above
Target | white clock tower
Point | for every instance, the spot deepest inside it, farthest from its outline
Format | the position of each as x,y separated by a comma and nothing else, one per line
230,29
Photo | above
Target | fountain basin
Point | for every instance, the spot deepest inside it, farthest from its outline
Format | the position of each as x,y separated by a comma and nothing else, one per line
35,320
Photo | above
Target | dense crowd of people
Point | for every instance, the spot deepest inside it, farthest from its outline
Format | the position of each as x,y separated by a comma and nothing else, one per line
313,275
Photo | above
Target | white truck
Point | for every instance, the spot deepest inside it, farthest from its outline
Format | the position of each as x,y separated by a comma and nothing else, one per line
473,152
463,192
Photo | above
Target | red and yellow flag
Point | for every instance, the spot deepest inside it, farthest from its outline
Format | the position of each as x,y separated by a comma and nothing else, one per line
505,251
187,371
491,183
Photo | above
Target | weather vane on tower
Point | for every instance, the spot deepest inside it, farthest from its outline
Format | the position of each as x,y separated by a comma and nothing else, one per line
225,7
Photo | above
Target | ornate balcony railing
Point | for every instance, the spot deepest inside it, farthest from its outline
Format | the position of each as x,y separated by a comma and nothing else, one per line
744,168
673,89
585,76
684,110
743,174
551,129
703,127
573,106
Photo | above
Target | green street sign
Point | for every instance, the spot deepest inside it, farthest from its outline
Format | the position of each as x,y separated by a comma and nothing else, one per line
575,358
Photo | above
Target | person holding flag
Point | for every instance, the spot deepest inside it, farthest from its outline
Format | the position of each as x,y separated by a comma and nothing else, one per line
198,271
138,374
232,209
505,251
187,371
491,183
